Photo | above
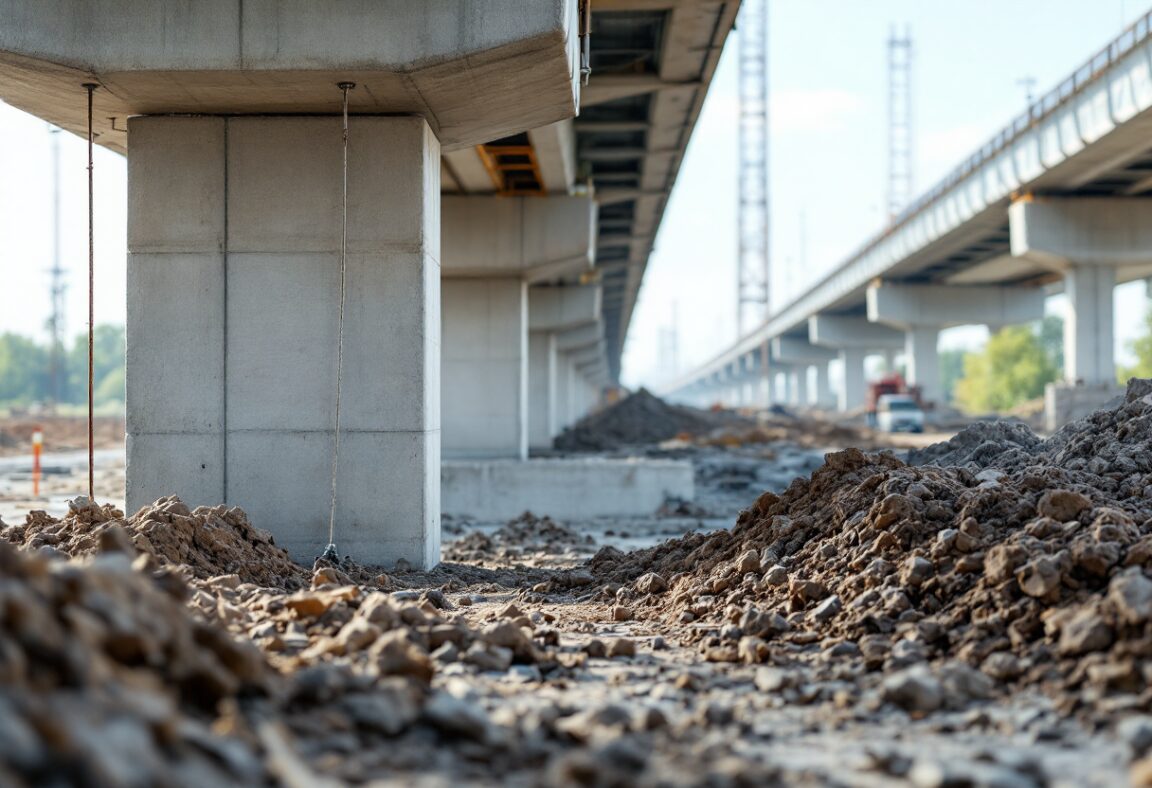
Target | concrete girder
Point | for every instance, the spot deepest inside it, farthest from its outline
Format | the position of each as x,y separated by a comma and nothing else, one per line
472,75
942,306
537,239
562,308
578,338
1088,240
1059,233
789,350
837,332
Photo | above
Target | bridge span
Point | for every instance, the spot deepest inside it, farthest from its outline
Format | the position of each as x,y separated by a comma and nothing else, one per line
1059,200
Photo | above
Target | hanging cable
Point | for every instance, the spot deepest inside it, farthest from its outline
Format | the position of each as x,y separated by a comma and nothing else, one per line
91,87
330,553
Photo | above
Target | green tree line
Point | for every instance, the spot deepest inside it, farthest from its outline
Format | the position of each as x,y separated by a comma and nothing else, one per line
1018,362
26,369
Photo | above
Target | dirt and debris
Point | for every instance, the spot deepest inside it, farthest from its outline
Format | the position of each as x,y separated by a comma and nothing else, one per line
984,618
209,541
638,419
1032,571
61,433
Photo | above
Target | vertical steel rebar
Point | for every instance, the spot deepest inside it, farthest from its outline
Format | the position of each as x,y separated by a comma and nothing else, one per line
330,552
91,88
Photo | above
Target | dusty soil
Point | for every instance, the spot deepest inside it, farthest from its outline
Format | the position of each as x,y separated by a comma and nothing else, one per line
982,621
61,433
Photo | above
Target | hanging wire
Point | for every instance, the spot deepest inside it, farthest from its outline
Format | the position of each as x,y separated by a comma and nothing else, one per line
330,551
91,87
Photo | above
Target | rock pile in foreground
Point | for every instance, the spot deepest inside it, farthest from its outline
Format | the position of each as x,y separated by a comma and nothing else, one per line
209,541
1034,573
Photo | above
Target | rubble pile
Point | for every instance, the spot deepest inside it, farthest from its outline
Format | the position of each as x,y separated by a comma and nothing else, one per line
640,418
210,541
107,679
528,537
1035,572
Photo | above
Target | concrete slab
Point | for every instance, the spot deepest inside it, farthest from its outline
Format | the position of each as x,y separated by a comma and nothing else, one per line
564,488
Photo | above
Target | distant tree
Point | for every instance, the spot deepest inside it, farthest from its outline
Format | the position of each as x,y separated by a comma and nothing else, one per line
23,370
1013,368
107,359
951,370
1141,347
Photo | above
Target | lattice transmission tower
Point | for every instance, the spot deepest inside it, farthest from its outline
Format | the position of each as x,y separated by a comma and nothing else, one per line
753,219
900,149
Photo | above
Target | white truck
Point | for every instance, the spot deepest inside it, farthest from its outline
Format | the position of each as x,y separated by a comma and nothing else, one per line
899,413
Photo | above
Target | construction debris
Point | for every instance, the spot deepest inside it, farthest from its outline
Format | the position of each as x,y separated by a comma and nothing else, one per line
981,619
1024,567
640,418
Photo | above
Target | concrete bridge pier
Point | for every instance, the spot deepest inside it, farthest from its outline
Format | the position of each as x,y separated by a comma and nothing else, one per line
804,355
852,338
233,305
1090,241
921,311
543,385
493,247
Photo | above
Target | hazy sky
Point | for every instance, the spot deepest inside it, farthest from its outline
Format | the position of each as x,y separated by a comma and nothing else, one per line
828,176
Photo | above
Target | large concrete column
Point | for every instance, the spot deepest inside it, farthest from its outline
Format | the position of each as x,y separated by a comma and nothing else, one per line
798,383
543,375
922,310
494,247
825,397
851,394
1089,334
923,361
233,299
485,368
1088,240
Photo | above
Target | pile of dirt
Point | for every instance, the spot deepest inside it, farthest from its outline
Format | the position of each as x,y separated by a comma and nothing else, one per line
1036,570
528,538
61,433
641,418
118,670
983,444
798,431
209,541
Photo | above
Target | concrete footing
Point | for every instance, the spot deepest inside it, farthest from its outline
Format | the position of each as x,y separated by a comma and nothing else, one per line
504,489
1065,402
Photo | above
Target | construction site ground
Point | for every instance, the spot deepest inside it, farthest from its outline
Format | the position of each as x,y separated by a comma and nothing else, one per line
855,621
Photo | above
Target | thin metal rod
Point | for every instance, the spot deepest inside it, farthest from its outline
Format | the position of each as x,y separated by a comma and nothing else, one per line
331,550
91,87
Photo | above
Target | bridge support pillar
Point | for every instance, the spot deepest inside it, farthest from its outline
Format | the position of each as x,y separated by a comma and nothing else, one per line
1089,324
921,311
798,383
852,389
923,361
825,397
233,314
542,389
1087,240
485,368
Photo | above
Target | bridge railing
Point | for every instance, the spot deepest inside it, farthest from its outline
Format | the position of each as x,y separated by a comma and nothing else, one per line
1132,36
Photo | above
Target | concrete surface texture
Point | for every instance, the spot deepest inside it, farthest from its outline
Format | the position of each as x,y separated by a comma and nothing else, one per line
543,422
485,368
565,488
465,67
233,302
531,237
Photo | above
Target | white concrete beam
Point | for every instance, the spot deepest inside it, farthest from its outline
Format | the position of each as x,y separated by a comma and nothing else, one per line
530,237
838,332
562,308
1059,232
789,350
555,146
579,338
901,305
